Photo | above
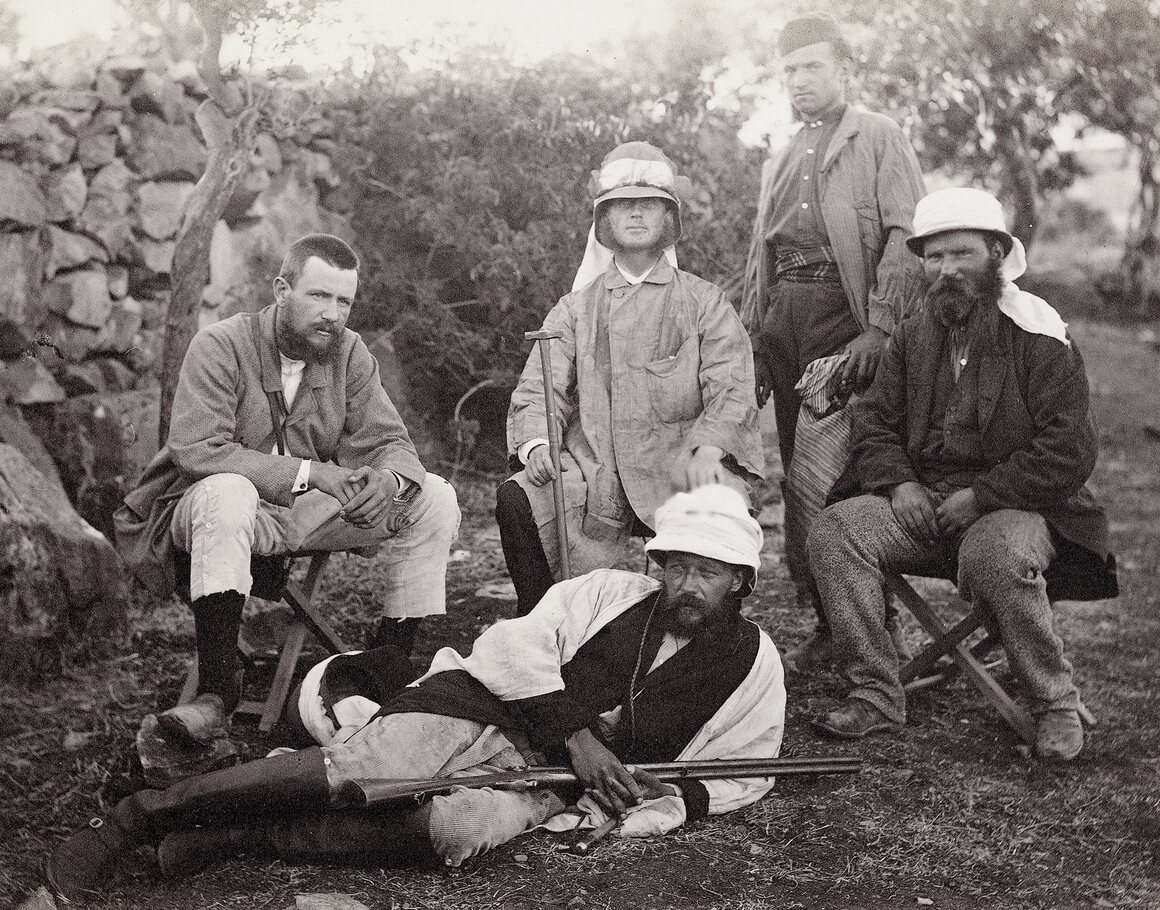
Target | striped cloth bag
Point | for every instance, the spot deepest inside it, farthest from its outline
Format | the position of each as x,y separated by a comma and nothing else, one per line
822,440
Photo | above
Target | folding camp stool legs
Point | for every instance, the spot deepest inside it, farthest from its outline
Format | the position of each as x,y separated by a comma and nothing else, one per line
949,641
306,619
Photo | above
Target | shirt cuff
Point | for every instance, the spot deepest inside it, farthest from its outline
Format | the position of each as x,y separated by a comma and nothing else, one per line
404,492
302,480
526,449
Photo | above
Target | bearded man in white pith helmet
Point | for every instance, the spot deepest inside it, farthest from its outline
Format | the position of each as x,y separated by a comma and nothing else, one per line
652,379
972,450
610,669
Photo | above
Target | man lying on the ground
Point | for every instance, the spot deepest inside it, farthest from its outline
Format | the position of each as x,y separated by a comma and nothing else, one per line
975,444
609,669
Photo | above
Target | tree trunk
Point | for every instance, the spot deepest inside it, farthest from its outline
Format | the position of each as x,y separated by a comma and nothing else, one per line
229,129
1140,265
1022,182
230,141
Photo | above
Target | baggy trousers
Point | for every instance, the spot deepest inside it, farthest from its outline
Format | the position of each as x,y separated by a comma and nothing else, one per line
855,544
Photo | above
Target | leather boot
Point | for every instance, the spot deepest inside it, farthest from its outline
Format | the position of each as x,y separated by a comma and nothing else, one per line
83,864
399,633
523,551
217,619
333,835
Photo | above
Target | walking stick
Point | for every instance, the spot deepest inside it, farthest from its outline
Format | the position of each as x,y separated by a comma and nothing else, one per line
544,339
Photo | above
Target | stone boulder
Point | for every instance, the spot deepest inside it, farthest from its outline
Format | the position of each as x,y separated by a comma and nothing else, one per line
25,380
81,296
69,251
160,206
66,193
63,584
163,150
21,265
21,201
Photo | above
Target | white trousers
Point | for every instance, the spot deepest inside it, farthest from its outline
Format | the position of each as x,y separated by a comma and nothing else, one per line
221,522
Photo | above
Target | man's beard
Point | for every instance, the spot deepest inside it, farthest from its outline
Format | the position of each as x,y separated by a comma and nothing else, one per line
686,614
312,348
970,302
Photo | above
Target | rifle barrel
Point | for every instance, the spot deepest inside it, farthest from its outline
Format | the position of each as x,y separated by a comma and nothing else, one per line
370,792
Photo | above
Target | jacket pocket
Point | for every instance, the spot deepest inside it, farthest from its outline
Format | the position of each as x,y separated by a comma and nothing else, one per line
673,382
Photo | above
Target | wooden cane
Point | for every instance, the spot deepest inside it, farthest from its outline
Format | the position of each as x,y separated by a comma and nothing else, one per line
583,845
544,339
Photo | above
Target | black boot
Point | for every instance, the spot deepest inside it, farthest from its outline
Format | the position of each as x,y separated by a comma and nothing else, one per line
333,835
217,619
81,866
399,633
527,564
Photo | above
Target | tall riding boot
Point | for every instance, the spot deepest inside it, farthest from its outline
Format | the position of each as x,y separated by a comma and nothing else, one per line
80,866
333,835
397,632
523,551
217,619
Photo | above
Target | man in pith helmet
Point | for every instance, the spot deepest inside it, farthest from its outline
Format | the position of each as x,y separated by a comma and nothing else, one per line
652,379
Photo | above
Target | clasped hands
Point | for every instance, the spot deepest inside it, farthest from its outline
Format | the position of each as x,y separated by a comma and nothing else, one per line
926,516
365,493
615,787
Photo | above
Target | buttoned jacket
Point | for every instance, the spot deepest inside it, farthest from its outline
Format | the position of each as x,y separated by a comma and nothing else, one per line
222,423
1033,416
869,184
681,376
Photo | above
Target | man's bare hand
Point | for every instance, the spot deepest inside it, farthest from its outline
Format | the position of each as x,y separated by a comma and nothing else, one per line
865,352
374,492
914,507
610,783
705,467
958,512
539,467
763,375
331,479
653,787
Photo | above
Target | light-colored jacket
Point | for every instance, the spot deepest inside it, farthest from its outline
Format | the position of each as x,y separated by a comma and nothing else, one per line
869,185
221,423
681,377
521,658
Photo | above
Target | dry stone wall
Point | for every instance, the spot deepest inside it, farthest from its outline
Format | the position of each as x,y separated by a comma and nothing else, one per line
97,162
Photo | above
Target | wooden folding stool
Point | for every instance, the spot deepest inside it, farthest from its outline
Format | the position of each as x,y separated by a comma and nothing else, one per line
300,597
951,641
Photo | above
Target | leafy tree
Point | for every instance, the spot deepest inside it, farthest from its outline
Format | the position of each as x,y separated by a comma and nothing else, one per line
1116,46
227,119
978,82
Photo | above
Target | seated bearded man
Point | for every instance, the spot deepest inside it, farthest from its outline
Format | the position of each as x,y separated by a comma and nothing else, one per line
974,444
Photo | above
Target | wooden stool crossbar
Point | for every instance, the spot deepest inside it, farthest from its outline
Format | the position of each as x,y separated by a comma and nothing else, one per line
307,619
951,642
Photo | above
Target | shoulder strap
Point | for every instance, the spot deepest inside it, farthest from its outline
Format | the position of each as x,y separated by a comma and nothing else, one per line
276,399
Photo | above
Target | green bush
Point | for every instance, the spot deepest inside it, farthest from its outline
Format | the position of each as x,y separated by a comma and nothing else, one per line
472,209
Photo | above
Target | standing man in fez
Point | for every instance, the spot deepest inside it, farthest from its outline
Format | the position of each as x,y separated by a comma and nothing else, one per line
827,277
651,381
283,440
973,447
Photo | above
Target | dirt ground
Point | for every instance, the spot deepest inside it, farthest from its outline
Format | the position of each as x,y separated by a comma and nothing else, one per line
951,813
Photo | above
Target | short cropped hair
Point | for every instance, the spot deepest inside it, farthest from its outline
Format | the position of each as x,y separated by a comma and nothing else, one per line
330,249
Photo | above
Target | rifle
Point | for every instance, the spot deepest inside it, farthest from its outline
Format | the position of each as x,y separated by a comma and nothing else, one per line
368,792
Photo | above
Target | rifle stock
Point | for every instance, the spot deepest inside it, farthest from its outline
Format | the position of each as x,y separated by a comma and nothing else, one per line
379,791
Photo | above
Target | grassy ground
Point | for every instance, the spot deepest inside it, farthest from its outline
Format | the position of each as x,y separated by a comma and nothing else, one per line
951,813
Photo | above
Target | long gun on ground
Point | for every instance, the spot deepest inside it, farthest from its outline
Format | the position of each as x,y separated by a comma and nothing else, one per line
378,791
